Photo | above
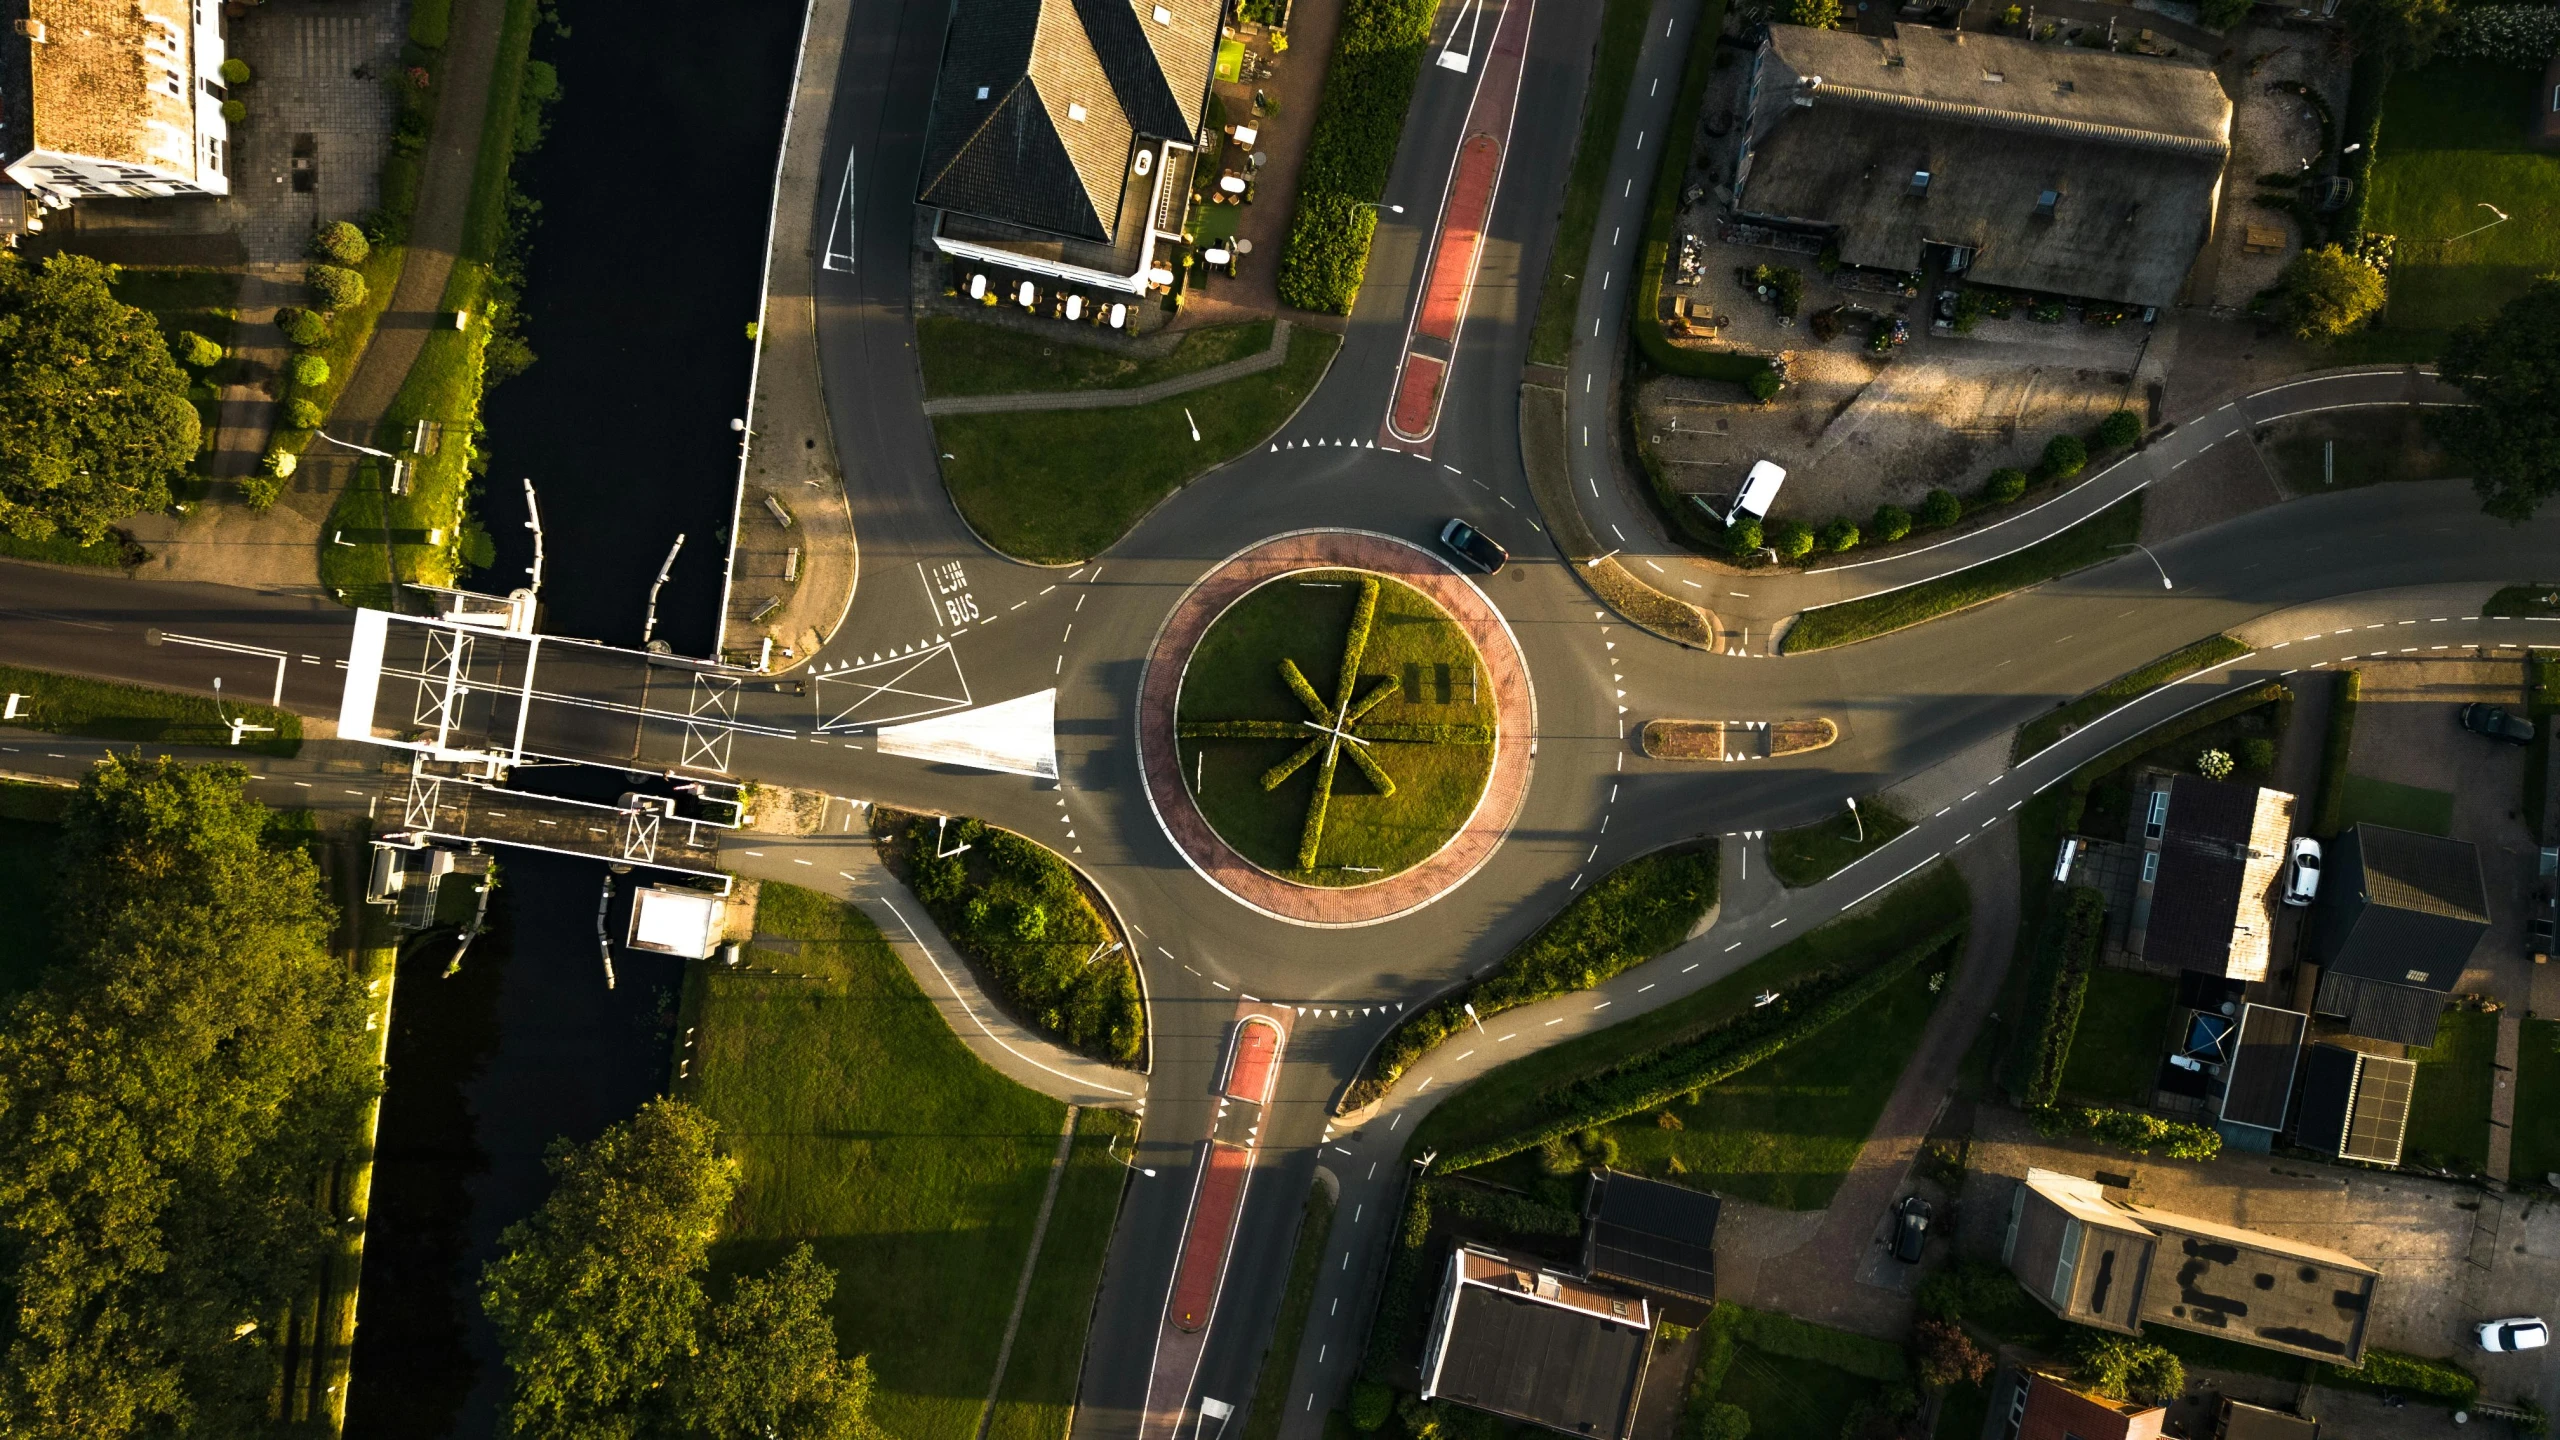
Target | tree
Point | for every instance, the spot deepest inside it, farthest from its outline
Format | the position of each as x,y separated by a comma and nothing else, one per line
170,1092
596,1295
2005,485
307,372
2119,429
301,414
340,243
94,416
235,71
2328,294
1891,523
767,1368
2509,368
301,326
1816,14
608,1330
196,352
1948,1356
1941,508
2404,32
335,286
2131,1369
2064,457
1371,1405
1743,536
1724,1421
1792,539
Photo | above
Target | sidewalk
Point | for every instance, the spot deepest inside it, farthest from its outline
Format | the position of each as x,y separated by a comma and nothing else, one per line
793,584
1269,359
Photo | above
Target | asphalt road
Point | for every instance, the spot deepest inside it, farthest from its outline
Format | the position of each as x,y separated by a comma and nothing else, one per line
989,629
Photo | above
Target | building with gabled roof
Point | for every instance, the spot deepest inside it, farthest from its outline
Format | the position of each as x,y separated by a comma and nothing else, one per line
2050,1407
2401,908
112,98
1064,131
2045,168
1521,1340
2214,855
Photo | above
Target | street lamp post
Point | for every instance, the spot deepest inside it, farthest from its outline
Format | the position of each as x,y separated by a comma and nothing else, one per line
1113,1150
1594,562
2154,559
399,467
2467,234
238,727
1376,205
1855,816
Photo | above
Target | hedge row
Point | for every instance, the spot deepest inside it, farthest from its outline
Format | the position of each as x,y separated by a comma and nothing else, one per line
1653,1079
2065,951
2441,1380
1502,1210
1404,1297
2333,751
1749,371
1435,733
1641,909
2134,1130
2048,729
1367,86
2167,733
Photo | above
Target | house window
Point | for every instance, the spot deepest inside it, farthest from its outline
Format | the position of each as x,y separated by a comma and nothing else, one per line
1163,16
1076,113
982,92
1992,77
2046,200
213,154
2159,816
2150,866
1919,184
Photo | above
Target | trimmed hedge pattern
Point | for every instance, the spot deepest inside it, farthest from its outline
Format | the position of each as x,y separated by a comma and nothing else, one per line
1367,86
1639,910
2132,1130
2065,951
2442,1381
1651,1080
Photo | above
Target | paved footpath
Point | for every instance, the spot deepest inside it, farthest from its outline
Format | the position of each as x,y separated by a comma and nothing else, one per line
1268,358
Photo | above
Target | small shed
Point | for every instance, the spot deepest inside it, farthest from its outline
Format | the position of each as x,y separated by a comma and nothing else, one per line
2257,1086
671,921
2354,1105
1651,1234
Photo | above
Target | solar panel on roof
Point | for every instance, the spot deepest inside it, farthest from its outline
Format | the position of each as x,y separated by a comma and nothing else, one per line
2380,1120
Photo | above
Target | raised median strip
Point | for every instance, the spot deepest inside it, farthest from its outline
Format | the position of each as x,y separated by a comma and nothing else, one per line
1543,455
1267,359
2099,538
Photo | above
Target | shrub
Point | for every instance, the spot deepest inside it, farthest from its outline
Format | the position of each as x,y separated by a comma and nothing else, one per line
2441,1380
1724,1421
2132,1130
1947,1356
302,327
234,113
1891,523
1785,284
301,414
2066,948
1764,384
259,491
1743,536
2329,293
279,462
2119,430
1371,1404
1512,1214
2214,764
2122,1369
196,352
307,372
2223,14
2521,35
2005,486
341,243
235,71
1841,534
2064,457
1941,508
335,286
1792,539
1814,14
1328,248
2258,754
1368,84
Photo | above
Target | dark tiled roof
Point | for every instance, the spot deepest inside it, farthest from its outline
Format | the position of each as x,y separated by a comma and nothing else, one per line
2196,898
1071,88
2380,1010
1655,1235
2055,1411
2258,1083
2404,908
1547,1364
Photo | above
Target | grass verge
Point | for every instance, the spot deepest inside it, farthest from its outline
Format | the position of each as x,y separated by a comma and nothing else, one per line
2044,730
2511,601
115,552
2449,1104
2453,134
2087,543
1233,674
2115,1054
1271,1390
1636,912
1057,487
1509,1098
862,1125
969,357
2537,1139
1604,103
2402,807
1810,854
1023,917
1038,1396
113,710
2347,692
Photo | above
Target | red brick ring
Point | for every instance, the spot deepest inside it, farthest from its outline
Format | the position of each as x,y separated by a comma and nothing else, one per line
1336,907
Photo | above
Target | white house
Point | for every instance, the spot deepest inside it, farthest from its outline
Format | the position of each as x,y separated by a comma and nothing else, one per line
113,98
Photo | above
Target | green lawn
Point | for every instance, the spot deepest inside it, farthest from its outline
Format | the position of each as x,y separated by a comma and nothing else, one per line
1234,674
1493,1106
2322,453
2101,537
1604,103
1785,1132
29,836
1061,486
1963,1413
2453,140
113,710
1791,1399
1271,1390
862,1125
2124,1025
968,357
2044,730
2449,1105
2512,600
1810,854
2402,807
2537,1139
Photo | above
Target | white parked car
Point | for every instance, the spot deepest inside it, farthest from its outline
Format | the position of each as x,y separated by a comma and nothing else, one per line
2302,878
2525,1332
1759,492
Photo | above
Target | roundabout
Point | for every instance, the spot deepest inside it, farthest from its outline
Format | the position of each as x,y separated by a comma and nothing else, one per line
1335,728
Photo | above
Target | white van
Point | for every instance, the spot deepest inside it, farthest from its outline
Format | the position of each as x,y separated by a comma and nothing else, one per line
1759,490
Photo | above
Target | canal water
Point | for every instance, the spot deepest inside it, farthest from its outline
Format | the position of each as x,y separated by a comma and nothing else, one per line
642,274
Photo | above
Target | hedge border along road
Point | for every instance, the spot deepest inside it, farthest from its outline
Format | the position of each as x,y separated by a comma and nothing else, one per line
1650,1080
1368,86
2045,730
113,710
1645,314
2087,543
1636,912
2343,699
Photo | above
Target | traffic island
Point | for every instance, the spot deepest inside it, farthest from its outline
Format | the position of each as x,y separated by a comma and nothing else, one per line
1320,661
1736,739
1544,454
